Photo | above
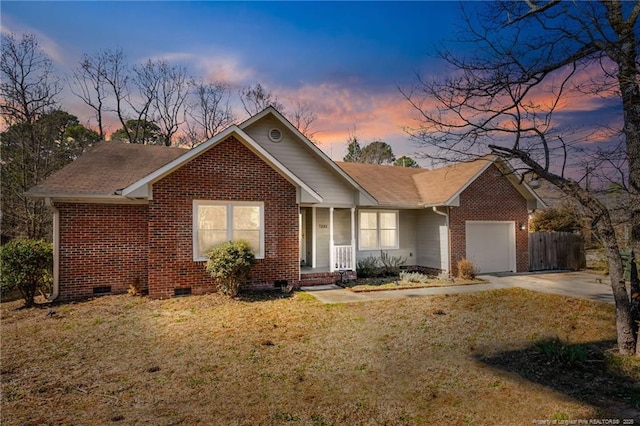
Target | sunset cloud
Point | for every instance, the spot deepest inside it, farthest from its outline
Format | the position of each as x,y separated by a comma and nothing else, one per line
225,67
341,60
342,110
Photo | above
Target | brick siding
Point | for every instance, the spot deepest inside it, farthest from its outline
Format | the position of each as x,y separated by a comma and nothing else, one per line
109,245
490,197
227,172
101,245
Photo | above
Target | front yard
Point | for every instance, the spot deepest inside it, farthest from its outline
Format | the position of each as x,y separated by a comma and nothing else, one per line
269,360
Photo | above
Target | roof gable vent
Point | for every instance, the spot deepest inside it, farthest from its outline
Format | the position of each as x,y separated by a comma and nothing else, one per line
275,135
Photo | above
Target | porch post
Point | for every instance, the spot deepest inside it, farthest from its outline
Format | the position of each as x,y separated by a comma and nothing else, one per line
353,238
331,243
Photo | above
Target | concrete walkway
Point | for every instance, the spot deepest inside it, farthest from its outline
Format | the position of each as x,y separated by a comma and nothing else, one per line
575,284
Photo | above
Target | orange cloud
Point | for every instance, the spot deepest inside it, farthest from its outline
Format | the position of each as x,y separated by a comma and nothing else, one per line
340,110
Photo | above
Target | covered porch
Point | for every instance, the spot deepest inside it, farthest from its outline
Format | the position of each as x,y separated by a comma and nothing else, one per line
327,239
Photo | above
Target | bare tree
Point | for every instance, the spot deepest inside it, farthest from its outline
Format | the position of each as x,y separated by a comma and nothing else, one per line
209,112
303,118
28,91
28,87
116,75
144,85
173,86
90,85
256,98
529,58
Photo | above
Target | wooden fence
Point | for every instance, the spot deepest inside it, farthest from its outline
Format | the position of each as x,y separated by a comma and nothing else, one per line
556,250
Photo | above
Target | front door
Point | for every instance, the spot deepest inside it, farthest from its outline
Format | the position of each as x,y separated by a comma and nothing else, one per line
303,237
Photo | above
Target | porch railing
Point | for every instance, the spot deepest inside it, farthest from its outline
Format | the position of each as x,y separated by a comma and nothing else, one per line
343,258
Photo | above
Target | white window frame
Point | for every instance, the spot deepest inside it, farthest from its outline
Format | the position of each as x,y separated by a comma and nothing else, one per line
378,239
229,205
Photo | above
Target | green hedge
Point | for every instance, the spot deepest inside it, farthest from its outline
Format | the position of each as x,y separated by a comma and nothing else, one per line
26,265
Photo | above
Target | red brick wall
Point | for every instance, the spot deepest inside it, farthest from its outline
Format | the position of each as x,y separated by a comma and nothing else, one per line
101,245
490,197
227,172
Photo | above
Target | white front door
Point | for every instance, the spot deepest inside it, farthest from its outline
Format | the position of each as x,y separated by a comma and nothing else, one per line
303,237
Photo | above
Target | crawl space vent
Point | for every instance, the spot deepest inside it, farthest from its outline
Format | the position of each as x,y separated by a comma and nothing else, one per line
99,291
275,135
182,291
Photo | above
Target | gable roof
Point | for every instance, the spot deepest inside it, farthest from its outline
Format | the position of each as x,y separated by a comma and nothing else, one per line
120,171
365,198
418,188
104,169
142,187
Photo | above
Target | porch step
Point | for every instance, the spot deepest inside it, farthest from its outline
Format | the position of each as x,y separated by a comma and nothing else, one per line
325,278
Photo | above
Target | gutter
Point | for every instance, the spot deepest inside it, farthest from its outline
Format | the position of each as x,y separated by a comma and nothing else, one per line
446,222
56,249
435,210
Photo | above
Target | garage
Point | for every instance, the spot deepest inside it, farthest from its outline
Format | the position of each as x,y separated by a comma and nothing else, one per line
491,245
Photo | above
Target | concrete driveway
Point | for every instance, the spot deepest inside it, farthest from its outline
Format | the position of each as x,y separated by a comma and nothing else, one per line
575,284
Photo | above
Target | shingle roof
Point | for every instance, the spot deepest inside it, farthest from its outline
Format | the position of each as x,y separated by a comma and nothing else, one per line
391,186
409,187
106,168
111,166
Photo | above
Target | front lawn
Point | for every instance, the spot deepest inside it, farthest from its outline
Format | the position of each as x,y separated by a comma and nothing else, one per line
270,360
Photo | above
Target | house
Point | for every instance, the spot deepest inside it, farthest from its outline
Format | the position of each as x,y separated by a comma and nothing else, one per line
144,215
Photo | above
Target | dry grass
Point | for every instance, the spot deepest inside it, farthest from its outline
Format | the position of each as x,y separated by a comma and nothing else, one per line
384,284
270,360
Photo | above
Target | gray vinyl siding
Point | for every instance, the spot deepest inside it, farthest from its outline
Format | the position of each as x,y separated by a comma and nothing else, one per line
431,231
298,158
407,239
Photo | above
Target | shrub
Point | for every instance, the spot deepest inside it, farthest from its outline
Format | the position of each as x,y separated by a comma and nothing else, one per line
414,277
560,352
391,264
26,265
564,218
466,270
230,264
368,267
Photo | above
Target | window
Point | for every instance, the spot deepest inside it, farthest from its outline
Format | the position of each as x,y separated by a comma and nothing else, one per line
378,230
217,221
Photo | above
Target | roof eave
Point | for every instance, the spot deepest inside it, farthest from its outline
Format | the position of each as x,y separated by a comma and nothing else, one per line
84,198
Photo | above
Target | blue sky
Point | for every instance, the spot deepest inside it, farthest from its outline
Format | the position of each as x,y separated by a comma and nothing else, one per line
343,59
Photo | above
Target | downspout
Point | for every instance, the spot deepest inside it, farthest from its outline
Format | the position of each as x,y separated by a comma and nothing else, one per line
56,249
446,222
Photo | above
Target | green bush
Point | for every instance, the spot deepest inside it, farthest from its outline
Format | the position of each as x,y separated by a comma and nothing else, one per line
230,264
368,267
26,265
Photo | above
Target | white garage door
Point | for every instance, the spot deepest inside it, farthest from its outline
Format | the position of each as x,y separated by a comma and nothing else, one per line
491,246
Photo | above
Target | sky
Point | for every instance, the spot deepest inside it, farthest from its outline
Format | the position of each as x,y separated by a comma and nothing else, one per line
345,60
